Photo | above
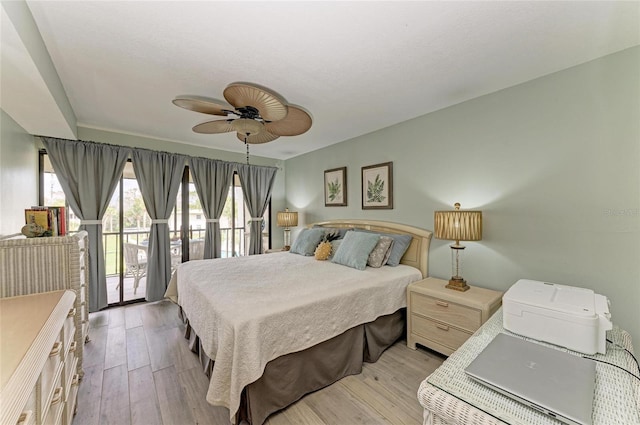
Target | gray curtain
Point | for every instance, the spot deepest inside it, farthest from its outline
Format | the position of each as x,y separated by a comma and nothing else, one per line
159,175
89,173
212,179
257,183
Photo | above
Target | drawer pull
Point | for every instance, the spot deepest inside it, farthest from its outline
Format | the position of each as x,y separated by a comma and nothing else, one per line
443,327
25,417
57,396
72,347
442,303
55,350
72,312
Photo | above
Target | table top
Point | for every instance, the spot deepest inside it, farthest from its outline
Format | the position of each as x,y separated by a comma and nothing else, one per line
616,398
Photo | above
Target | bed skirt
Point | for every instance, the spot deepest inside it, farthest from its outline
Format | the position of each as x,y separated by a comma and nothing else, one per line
288,378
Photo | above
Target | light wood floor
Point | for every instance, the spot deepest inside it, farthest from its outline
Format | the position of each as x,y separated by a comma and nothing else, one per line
139,370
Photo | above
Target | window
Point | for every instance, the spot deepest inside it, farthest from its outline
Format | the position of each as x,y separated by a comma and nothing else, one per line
126,222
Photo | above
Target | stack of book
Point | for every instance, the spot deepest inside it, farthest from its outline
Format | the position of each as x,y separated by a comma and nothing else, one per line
52,219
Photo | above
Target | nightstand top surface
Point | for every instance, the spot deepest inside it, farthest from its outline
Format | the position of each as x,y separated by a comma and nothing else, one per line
436,288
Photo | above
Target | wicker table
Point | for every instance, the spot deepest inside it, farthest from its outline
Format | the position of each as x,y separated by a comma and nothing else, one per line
450,397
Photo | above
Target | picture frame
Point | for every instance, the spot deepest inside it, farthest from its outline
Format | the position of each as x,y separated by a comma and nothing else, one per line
335,187
377,186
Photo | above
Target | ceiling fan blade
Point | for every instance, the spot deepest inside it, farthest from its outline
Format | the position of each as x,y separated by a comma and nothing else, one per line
270,105
203,104
256,139
213,127
296,122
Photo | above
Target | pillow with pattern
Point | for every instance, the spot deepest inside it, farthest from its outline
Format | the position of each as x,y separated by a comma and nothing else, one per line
400,245
380,254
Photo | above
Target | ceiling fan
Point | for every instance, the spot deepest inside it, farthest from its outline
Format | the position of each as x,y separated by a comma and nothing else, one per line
258,115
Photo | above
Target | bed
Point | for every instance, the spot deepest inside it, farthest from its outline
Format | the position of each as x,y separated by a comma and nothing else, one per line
271,328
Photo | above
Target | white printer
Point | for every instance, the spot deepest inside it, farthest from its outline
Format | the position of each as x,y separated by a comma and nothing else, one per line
572,317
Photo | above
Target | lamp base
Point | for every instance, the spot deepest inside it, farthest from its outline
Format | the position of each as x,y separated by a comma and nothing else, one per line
457,284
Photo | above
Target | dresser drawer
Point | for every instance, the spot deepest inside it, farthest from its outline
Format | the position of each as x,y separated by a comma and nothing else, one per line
72,398
438,332
28,415
69,329
464,317
70,369
56,408
50,375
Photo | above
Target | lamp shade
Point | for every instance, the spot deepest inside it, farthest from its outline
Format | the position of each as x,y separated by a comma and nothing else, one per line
287,218
458,225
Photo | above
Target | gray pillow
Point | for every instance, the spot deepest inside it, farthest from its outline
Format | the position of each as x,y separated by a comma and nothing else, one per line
354,249
335,244
400,245
307,241
381,252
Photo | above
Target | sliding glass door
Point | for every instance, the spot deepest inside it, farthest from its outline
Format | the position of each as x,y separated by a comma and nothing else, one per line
126,227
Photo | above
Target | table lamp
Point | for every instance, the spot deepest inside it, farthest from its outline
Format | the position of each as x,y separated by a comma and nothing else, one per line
287,219
458,226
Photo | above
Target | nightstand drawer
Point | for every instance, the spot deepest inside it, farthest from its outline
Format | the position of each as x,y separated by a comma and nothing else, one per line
446,311
439,332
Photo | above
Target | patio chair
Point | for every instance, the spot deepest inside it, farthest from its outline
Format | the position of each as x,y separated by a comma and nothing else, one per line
196,249
135,260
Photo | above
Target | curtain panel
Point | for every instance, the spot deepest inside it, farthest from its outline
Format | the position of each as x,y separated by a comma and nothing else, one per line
212,179
88,173
257,183
159,175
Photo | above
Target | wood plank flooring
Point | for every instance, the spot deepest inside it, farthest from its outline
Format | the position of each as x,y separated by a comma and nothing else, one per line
139,370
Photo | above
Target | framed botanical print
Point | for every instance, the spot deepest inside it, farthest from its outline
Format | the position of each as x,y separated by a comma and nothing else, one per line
377,186
335,187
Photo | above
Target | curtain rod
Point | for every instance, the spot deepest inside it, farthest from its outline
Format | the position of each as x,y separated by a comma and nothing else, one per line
152,150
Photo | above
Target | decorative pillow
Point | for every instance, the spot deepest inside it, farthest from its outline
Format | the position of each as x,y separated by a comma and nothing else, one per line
354,249
400,245
306,242
381,252
334,247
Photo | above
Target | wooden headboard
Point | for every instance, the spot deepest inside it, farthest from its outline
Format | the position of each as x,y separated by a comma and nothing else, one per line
417,254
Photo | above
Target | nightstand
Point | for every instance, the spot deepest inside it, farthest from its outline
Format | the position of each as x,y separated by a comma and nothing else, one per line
443,319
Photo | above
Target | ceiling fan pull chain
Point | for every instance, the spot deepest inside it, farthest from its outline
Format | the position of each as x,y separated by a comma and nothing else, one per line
247,145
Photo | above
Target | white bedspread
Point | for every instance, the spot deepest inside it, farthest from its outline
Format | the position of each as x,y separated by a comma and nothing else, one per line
250,310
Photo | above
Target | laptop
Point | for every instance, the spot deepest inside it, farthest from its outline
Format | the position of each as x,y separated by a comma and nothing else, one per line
551,381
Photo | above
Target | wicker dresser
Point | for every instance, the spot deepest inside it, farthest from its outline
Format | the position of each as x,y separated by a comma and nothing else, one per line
38,379
34,265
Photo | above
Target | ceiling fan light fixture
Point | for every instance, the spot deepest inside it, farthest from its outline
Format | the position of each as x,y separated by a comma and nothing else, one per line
247,126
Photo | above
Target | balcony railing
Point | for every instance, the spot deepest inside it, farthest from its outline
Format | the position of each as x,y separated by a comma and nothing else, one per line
111,244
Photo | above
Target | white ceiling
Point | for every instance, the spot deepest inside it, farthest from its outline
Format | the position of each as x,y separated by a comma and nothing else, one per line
355,66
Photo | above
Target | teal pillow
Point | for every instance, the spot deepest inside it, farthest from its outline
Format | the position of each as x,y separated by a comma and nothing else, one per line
307,241
400,245
354,249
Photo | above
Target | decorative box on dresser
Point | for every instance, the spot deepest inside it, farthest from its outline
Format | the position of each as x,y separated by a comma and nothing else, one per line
35,265
39,379
443,319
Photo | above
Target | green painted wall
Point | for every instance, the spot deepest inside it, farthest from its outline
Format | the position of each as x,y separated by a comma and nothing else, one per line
554,164
18,174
